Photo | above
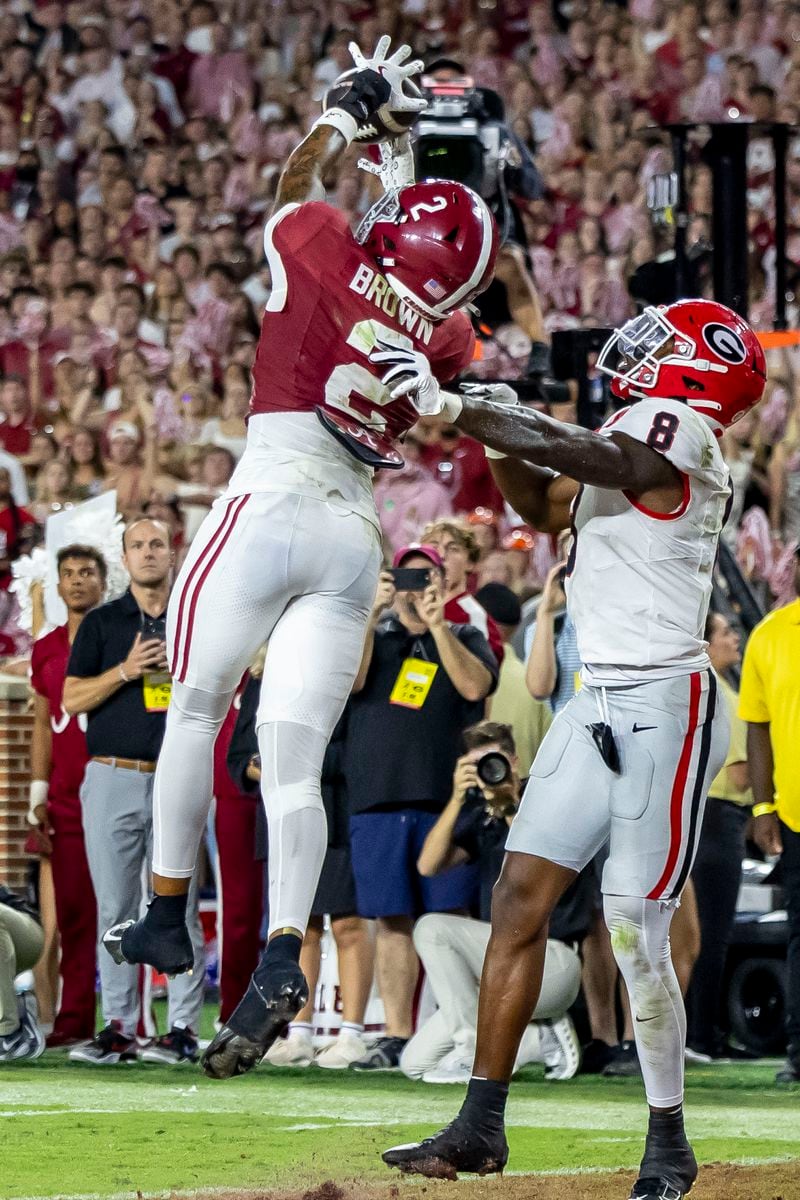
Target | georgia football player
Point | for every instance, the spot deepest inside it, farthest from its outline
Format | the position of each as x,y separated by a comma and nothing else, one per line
648,493
357,332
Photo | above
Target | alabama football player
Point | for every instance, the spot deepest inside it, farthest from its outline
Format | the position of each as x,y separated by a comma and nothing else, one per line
630,758
358,330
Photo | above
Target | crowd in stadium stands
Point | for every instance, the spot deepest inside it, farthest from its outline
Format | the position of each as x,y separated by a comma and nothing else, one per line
140,147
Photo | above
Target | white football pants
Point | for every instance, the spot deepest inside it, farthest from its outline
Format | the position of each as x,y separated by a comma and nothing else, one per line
301,574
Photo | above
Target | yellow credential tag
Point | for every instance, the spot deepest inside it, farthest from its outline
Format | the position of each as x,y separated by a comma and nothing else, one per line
413,683
157,691
578,682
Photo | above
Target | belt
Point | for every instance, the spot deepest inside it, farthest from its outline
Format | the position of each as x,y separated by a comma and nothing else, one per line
127,764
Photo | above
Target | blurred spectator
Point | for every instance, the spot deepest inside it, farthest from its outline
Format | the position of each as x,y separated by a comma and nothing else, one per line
16,529
421,682
769,701
117,676
409,498
717,870
473,828
457,547
512,703
553,664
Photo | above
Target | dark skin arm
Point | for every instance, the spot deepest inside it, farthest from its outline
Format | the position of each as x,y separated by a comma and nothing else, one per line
616,462
301,178
766,828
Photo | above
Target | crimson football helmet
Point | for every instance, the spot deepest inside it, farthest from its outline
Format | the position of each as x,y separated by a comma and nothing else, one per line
697,351
436,243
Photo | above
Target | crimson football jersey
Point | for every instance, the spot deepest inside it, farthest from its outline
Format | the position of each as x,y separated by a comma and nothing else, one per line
329,308
69,755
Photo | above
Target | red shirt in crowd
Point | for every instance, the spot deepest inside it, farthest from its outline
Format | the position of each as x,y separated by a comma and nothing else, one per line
466,474
465,610
16,439
9,538
69,755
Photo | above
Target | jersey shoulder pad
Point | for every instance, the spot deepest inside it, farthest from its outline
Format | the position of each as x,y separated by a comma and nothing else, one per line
675,431
294,226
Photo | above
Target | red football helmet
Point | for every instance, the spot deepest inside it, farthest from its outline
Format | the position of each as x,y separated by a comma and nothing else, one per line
697,351
435,242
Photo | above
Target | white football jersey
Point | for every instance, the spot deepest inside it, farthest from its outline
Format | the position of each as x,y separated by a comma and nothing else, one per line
638,582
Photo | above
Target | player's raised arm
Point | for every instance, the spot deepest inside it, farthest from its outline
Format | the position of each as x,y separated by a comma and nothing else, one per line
377,81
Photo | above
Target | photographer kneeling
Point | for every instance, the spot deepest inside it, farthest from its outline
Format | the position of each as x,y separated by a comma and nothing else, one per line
473,828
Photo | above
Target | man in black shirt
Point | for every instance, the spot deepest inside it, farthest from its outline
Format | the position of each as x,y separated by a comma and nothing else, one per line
422,681
473,828
117,675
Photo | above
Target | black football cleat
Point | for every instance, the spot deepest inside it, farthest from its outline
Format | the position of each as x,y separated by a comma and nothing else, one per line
170,951
656,1189
275,995
457,1147
668,1164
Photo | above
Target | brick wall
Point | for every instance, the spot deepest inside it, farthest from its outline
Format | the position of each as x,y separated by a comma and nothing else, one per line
16,723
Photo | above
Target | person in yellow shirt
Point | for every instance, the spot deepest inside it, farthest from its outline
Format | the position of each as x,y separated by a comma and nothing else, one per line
769,700
717,870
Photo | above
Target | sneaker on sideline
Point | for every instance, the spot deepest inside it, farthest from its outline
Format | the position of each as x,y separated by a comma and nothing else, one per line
177,1046
348,1047
561,1049
383,1055
296,1050
24,1042
455,1067
107,1048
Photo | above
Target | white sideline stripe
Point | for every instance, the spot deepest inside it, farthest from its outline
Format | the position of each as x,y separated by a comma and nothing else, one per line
221,1191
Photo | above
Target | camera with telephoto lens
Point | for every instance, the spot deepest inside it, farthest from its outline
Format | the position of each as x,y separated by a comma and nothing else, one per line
456,138
493,770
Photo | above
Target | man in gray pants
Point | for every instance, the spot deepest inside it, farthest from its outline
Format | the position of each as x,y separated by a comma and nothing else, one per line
117,676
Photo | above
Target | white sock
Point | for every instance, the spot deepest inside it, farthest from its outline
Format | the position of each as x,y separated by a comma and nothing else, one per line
300,1027
351,1027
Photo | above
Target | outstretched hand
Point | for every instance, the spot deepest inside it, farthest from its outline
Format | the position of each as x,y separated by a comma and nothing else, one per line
394,69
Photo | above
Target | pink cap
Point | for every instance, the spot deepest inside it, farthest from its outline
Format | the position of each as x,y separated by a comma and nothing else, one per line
429,552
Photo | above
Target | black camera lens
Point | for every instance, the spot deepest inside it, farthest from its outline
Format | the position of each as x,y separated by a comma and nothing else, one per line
493,769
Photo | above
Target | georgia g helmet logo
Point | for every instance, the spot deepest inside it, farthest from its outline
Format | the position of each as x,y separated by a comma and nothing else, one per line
725,343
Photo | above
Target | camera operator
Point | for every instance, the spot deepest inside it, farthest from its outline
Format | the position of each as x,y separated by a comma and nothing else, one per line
465,125
473,828
422,681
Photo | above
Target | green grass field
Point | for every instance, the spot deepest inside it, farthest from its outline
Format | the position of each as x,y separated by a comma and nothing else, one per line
73,1130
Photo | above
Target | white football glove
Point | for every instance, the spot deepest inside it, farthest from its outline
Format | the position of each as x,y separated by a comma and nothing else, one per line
394,69
396,166
494,393
409,374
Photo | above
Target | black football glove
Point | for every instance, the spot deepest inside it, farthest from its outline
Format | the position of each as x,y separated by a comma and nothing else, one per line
367,92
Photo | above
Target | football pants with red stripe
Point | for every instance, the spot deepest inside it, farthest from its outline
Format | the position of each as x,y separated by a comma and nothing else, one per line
671,737
301,575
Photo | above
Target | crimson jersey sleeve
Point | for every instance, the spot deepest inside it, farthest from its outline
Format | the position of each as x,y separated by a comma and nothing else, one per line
37,667
453,348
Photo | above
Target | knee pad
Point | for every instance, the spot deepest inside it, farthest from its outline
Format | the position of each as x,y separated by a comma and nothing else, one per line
191,707
291,767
